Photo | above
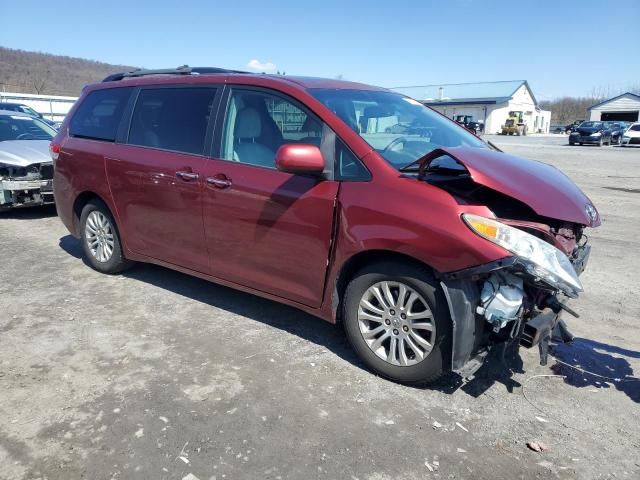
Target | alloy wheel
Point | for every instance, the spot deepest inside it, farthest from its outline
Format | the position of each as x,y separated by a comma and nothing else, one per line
99,236
396,323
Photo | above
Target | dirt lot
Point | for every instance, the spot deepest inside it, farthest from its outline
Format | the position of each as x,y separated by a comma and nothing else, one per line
158,375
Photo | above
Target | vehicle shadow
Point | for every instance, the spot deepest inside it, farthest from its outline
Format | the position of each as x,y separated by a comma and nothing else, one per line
29,213
597,360
265,311
500,366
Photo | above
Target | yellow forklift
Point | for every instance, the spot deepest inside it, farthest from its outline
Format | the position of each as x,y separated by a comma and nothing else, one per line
514,125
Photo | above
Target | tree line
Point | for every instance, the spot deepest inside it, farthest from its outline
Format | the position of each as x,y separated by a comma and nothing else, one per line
46,74
566,110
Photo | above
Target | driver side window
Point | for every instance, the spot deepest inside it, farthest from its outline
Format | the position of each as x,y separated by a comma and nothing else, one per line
258,123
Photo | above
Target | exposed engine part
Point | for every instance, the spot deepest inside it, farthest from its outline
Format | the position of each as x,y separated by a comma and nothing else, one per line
26,186
501,299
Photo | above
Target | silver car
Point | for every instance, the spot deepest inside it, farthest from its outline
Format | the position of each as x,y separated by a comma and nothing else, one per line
26,169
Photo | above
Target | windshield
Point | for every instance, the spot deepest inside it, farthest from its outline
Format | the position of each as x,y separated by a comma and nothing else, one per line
29,111
18,127
591,124
399,128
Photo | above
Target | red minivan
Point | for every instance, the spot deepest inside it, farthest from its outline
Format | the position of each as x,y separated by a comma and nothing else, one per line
350,202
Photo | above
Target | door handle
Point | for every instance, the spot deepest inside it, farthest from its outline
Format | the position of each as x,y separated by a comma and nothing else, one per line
187,176
219,181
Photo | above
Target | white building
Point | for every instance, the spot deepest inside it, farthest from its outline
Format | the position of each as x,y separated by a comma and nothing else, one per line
52,107
488,102
625,107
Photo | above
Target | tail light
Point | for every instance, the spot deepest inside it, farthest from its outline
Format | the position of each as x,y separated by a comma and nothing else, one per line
54,150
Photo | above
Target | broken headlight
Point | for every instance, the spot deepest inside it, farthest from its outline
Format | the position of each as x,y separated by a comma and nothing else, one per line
539,258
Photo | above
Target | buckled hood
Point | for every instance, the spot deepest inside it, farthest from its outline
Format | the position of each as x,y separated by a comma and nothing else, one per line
589,130
544,188
21,153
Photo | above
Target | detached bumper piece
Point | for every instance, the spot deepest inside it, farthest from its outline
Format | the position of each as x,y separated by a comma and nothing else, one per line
539,329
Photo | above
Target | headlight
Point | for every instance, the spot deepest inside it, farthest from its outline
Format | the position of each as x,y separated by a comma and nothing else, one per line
595,134
575,133
538,257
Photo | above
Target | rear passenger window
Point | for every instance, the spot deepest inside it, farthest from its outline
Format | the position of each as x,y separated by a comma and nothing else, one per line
99,114
172,119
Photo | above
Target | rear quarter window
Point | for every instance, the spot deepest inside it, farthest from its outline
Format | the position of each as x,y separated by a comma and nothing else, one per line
99,114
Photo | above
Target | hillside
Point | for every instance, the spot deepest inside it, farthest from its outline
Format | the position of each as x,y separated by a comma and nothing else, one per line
34,72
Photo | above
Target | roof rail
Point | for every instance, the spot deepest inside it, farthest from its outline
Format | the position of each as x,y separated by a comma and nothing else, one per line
183,70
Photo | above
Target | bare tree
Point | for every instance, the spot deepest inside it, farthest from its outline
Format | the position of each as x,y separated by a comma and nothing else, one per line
40,81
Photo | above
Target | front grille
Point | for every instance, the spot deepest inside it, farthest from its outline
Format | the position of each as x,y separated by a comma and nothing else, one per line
46,171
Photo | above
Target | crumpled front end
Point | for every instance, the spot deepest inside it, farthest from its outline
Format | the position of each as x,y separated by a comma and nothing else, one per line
538,217
26,186
506,301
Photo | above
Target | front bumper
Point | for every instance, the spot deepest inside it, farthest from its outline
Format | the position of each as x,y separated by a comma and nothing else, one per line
25,193
462,291
589,139
630,140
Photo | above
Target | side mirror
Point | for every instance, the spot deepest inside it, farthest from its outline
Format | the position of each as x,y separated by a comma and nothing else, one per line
299,159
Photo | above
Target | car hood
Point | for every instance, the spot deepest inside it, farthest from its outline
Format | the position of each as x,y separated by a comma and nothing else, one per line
589,131
21,153
544,188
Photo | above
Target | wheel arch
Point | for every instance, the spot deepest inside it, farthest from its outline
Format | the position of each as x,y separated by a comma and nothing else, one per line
81,200
461,298
357,262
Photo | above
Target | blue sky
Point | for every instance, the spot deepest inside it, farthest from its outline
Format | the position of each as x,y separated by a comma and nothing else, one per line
563,47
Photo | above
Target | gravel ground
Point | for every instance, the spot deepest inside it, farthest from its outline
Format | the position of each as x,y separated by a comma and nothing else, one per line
158,375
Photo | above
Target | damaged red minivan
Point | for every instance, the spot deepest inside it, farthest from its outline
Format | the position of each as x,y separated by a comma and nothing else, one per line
350,202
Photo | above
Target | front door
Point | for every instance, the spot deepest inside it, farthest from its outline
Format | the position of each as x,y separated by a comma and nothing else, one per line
267,229
156,177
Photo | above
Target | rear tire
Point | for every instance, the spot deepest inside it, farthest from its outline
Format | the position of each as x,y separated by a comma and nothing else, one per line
416,345
101,240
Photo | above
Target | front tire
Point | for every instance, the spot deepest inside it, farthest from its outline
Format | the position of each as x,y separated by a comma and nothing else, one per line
397,320
100,239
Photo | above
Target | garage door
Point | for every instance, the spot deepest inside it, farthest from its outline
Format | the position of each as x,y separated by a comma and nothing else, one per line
620,116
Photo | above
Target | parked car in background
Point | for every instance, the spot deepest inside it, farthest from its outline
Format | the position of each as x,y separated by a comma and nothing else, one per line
572,126
557,129
617,130
467,121
19,107
26,168
632,135
595,133
429,249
